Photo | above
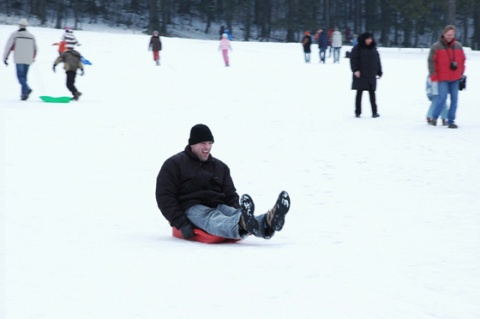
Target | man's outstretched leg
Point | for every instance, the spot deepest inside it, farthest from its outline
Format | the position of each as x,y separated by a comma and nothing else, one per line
274,219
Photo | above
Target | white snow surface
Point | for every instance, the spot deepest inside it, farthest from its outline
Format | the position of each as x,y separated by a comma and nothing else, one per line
385,213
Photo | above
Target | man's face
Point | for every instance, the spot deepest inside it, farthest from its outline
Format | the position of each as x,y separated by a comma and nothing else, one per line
202,150
449,35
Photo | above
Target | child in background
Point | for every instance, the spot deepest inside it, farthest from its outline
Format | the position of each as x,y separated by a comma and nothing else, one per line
71,63
67,38
155,45
225,46
432,95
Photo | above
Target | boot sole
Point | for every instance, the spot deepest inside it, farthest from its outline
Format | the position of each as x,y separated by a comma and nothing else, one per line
282,207
248,209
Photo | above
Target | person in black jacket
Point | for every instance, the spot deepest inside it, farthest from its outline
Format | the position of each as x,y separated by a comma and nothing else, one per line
307,43
155,45
366,67
195,190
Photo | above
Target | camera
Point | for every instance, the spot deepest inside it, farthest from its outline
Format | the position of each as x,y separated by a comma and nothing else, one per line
453,65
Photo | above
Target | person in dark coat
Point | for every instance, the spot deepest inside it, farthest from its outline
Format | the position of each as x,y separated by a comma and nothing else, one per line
307,43
71,63
222,31
195,190
322,44
155,45
366,67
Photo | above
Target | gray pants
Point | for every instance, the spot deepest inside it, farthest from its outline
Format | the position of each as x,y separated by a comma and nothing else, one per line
223,221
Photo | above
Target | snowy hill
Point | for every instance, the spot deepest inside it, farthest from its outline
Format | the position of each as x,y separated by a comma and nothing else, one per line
385,212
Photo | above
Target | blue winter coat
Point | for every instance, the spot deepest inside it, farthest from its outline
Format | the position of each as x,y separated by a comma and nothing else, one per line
323,40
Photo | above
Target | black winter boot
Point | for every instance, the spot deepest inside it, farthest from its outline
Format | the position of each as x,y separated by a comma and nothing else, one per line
276,216
247,220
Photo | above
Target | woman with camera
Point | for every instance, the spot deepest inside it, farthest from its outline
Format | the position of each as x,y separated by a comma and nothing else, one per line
446,65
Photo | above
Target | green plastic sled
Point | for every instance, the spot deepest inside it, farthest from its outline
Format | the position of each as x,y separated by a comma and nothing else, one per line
52,99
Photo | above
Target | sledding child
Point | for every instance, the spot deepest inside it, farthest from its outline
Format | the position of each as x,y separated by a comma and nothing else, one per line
71,63
155,45
432,95
225,46
67,38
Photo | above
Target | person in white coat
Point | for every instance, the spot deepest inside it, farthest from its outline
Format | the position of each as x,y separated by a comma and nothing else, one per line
24,48
337,45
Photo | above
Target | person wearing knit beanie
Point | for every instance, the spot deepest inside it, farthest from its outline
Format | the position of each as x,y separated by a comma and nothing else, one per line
196,194
200,133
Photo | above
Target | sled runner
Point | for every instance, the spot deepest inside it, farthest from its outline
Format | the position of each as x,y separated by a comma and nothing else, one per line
203,237
52,99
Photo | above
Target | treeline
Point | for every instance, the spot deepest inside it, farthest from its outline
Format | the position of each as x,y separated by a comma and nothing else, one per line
405,23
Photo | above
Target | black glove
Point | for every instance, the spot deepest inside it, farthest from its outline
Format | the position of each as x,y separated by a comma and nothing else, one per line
83,72
187,230
54,68
5,61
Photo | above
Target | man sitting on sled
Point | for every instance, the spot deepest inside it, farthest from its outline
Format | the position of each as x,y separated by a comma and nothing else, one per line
195,191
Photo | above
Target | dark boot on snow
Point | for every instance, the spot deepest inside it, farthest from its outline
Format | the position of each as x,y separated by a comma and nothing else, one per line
247,220
276,216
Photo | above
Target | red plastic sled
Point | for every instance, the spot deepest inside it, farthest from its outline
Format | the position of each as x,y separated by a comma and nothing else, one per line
203,237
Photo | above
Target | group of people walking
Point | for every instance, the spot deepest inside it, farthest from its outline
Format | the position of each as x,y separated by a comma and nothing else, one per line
333,40
155,45
24,47
446,66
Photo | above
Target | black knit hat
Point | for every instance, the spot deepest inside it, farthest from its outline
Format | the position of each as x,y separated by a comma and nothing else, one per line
200,133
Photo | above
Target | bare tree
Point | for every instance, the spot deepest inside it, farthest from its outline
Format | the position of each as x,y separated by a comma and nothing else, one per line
60,14
153,21
452,12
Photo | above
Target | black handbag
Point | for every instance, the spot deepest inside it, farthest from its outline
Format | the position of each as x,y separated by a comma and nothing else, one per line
463,83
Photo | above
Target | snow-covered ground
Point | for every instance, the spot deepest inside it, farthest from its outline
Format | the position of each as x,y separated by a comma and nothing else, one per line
385,212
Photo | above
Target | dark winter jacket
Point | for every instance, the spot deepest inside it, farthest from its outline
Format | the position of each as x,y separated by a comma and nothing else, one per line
71,60
155,43
366,60
185,181
441,55
323,40
307,43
